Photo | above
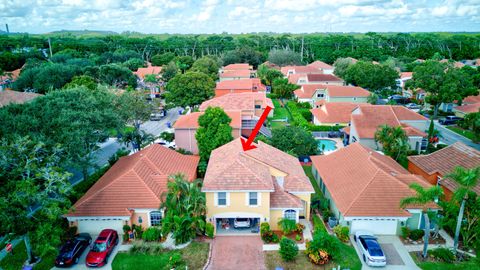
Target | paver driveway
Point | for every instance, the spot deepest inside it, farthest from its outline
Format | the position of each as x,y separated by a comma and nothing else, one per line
237,252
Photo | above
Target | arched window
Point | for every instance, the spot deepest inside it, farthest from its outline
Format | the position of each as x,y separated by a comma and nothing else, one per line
155,218
290,214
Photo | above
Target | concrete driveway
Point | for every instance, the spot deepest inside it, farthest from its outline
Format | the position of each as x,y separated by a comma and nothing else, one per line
81,263
396,253
237,252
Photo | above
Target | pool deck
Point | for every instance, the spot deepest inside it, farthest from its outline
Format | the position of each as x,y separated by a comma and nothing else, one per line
338,141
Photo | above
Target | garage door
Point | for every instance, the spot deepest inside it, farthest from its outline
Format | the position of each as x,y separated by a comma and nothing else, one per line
379,226
93,226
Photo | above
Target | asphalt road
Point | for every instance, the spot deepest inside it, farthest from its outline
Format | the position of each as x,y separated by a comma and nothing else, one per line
449,137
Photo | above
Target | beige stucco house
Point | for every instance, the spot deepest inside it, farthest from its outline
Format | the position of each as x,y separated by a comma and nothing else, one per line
261,185
313,93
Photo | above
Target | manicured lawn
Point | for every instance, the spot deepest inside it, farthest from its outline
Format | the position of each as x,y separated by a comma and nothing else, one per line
308,172
279,112
194,256
277,124
15,261
349,259
470,265
113,132
466,133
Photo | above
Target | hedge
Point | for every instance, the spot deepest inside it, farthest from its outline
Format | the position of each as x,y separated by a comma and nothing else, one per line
83,186
313,127
297,117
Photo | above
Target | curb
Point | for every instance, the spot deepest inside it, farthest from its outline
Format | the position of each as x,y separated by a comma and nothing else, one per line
209,256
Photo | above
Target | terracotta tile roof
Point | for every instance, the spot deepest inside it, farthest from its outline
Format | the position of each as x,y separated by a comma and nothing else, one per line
373,116
191,120
10,96
294,78
230,168
11,75
320,65
322,78
335,112
300,70
241,66
241,73
141,72
365,183
238,101
471,100
308,90
135,181
445,160
411,131
282,199
241,84
404,75
470,108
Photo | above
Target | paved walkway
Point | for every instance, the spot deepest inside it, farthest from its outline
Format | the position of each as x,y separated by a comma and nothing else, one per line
307,235
443,233
397,255
237,252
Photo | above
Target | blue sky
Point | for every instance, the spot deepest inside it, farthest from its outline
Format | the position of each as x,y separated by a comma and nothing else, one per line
243,16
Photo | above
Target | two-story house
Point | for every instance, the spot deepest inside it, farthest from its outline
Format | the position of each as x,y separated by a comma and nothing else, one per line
322,66
255,186
236,72
313,93
239,86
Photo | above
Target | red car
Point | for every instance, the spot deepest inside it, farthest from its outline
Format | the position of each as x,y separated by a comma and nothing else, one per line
102,247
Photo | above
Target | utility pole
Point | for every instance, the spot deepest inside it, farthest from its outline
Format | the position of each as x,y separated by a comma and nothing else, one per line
50,47
6,26
301,51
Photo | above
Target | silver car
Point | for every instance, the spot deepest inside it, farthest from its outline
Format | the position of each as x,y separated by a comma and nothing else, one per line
372,253
241,223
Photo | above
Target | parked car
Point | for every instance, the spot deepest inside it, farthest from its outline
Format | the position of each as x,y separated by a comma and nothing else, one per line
156,116
372,253
449,120
102,248
412,106
241,223
72,250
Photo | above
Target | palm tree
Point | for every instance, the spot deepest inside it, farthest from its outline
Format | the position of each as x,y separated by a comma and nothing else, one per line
424,197
467,179
394,141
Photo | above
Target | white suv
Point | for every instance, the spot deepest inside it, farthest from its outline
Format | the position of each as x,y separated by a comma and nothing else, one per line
241,223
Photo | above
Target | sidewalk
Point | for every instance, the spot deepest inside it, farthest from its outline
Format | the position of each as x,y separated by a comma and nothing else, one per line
15,242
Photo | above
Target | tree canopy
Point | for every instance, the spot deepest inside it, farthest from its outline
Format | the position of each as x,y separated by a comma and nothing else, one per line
214,131
371,76
294,140
189,89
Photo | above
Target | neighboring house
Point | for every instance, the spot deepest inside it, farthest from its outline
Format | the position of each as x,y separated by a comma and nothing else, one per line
334,113
239,86
130,192
10,97
470,100
313,93
404,77
241,66
149,70
230,75
186,127
262,185
365,188
436,165
327,79
365,121
8,78
322,66
290,70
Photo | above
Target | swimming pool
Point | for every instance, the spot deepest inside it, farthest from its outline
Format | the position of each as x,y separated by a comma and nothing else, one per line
328,144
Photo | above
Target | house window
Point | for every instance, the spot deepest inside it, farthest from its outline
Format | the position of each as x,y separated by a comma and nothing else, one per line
253,198
290,214
155,218
354,98
258,106
319,95
222,198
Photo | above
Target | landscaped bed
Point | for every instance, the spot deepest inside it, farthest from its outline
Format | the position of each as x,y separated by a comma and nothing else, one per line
431,264
194,256
464,132
292,236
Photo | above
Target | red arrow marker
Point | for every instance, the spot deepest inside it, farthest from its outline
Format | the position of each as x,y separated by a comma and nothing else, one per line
247,144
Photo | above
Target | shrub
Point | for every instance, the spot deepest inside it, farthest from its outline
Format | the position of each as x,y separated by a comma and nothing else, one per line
298,237
297,117
416,235
319,257
265,232
152,234
299,228
275,238
288,226
342,232
209,230
138,231
126,228
442,254
288,249
405,232
322,241
306,114
318,224
304,105
312,127
174,261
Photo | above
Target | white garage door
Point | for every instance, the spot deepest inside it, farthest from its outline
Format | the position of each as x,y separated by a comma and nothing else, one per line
376,226
94,226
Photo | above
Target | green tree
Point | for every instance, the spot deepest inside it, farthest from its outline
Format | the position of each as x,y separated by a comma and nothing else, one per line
288,249
294,140
162,59
151,78
372,98
185,217
189,89
467,180
394,141
83,80
243,55
169,71
137,138
424,197
268,75
282,88
472,121
371,76
117,75
284,57
214,131
134,63
183,62
341,65
46,77
443,83
34,193
134,108
206,65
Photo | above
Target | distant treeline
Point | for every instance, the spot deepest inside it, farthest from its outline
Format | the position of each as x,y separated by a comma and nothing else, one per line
15,49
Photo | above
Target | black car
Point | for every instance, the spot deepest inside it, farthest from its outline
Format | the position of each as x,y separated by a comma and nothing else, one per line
72,250
449,120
